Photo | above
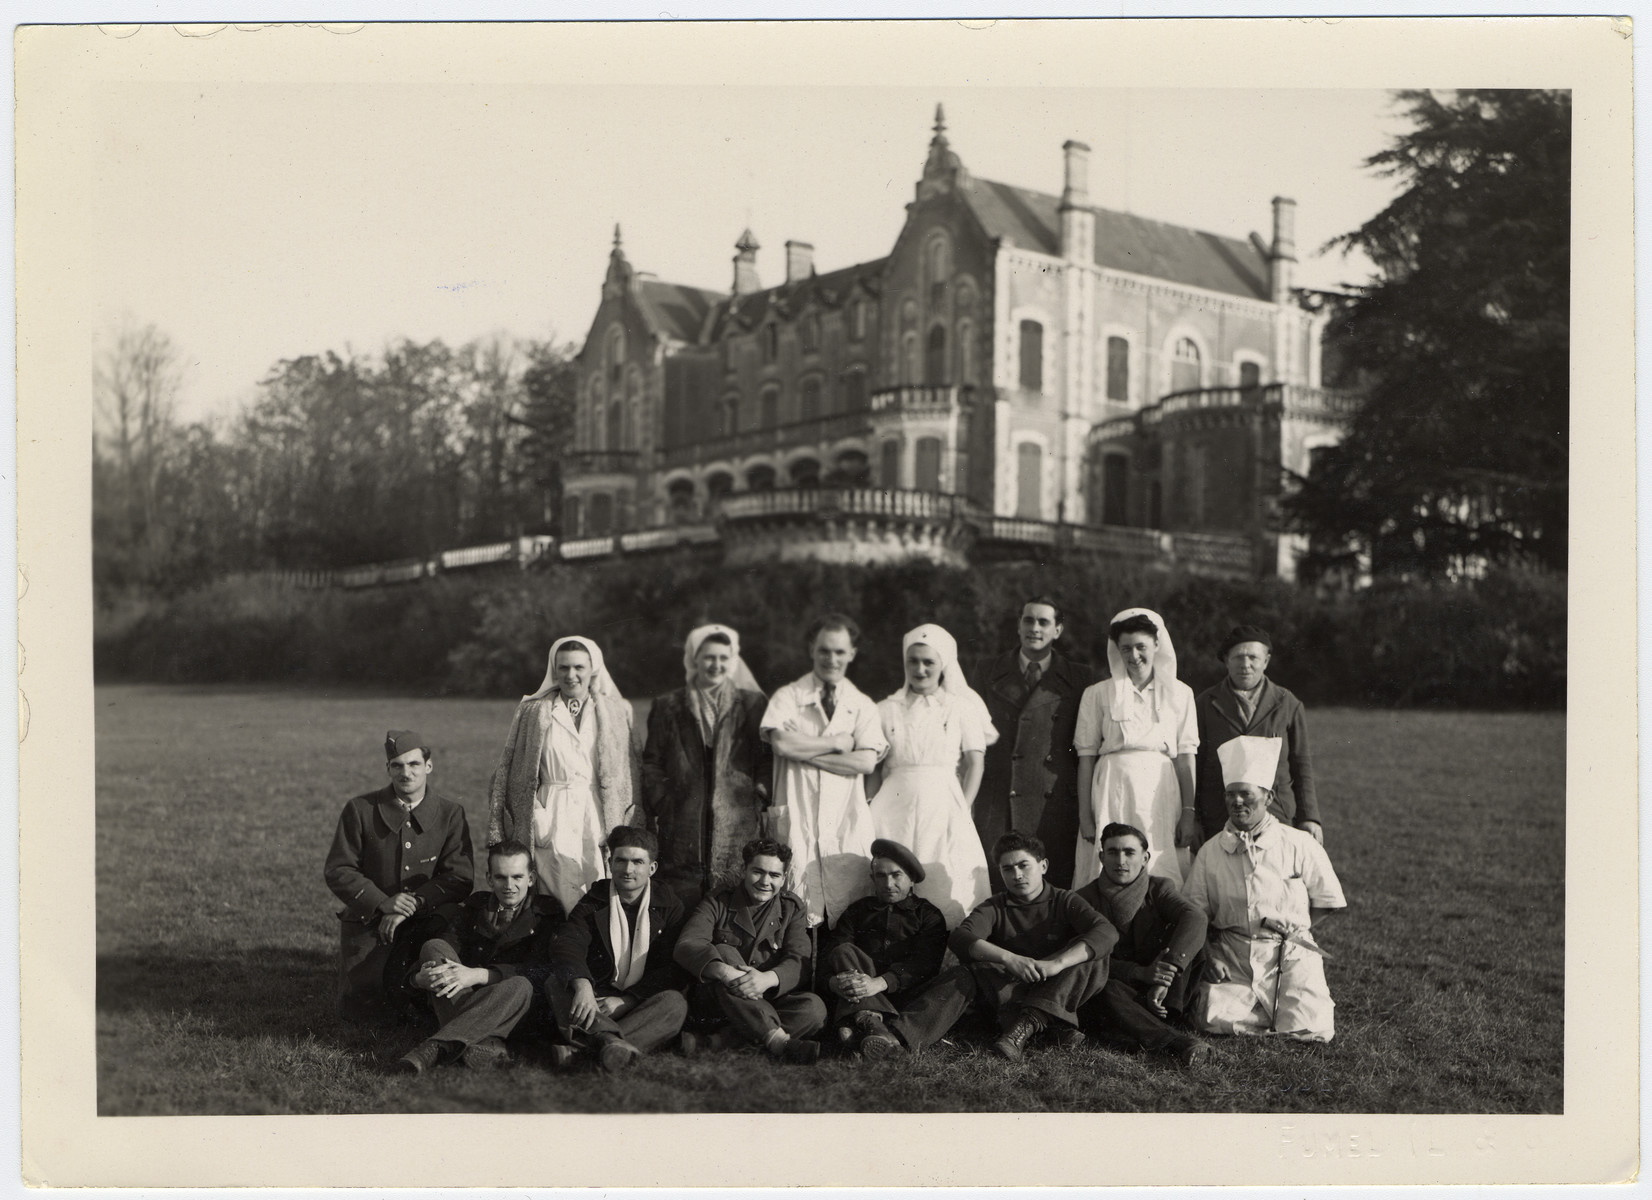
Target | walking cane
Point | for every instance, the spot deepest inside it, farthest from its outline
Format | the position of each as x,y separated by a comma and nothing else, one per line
1278,978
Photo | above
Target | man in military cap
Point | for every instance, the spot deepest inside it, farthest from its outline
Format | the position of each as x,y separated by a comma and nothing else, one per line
1247,703
398,851
748,946
885,945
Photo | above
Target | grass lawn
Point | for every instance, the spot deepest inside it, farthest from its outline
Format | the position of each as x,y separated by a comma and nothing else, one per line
216,940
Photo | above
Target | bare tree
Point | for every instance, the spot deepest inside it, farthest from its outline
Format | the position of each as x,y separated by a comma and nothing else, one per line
135,383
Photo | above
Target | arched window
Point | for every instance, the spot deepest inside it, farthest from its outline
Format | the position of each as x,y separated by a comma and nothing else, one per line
966,353
808,399
728,416
926,464
938,268
857,319
889,465
909,314
718,485
771,343
1032,356
571,514
909,357
850,470
680,493
1029,481
616,352
1118,370
760,478
1250,374
616,425
854,391
935,357
1115,489
804,473
809,332
769,417
1185,372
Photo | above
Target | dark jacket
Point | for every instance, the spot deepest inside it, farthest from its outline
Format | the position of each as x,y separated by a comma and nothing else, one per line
774,937
584,947
906,940
1030,780
1278,714
378,850
704,818
1165,926
521,948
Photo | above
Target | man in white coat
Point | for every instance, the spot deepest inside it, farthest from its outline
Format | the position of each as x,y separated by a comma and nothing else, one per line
827,738
1262,884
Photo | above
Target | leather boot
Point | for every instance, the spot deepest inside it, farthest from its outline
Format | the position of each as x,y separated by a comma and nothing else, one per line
1012,1043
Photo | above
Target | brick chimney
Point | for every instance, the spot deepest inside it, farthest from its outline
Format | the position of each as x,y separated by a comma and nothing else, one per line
745,265
1282,254
1078,222
800,261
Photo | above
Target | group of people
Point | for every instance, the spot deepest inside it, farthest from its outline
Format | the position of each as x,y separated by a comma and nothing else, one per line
1068,855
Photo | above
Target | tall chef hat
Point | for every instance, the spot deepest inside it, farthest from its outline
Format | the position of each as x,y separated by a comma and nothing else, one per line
1250,760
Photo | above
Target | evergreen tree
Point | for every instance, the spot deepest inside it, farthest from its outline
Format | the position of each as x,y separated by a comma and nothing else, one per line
1459,453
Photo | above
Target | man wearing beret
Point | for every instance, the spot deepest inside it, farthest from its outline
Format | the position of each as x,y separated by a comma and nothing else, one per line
398,851
884,945
1247,703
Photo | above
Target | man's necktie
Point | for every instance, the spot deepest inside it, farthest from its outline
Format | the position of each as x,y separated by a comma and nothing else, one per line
828,700
1035,672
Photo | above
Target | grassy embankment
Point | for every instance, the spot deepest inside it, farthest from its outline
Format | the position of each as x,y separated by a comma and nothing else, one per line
216,939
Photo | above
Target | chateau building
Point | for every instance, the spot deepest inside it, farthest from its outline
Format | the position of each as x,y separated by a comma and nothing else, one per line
1021,369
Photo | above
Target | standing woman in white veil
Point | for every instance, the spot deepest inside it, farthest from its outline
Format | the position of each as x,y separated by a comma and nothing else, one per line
937,727
1136,739
706,770
568,772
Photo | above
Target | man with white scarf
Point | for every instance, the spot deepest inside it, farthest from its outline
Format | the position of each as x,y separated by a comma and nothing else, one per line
1262,884
614,989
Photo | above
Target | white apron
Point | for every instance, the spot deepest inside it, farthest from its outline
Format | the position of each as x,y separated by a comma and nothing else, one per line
920,803
567,818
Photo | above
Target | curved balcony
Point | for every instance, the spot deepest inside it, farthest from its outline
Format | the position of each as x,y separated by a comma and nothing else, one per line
860,525
1293,399
920,399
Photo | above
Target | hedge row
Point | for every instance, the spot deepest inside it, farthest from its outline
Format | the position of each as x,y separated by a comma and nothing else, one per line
1496,643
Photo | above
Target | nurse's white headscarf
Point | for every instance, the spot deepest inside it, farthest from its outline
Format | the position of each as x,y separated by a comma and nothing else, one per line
739,672
600,685
1164,658
953,682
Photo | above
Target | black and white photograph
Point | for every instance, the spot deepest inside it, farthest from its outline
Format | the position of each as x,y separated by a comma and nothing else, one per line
727,588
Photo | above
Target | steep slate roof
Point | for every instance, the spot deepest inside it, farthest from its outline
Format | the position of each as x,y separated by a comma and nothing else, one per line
754,305
675,309
1124,242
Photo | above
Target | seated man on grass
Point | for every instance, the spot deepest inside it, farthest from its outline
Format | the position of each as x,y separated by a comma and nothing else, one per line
1032,953
884,945
482,964
747,945
613,987
1161,936
1262,884
398,851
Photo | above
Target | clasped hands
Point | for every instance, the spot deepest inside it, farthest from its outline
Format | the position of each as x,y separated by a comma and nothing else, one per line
395,909
1155,979
746,982
1030,970
447,978
854,985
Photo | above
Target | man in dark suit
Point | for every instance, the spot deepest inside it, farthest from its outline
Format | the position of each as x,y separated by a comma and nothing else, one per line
1031,771
1249,704
482,963
614,987
399,851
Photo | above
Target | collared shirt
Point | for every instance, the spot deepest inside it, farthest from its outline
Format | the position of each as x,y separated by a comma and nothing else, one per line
1241,878
1115,715
1247,698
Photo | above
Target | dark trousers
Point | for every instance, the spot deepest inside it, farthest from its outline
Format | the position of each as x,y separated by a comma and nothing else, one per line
1118,1012
936,1009
648,1025
361,959
488,1010
849,957
798,1013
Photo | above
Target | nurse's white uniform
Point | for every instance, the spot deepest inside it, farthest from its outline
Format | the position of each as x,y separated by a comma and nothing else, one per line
824,817
920,802
567,820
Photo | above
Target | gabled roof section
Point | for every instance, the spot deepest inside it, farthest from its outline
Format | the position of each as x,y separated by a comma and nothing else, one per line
1124,242
675,309
830,288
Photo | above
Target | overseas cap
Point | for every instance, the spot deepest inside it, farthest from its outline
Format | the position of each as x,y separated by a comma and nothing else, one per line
897,853
402,741
1244,633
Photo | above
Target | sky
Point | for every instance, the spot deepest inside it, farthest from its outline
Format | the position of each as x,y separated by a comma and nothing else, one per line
253,221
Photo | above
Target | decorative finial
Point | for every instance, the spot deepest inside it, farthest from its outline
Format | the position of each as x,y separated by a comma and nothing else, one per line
616,235
748,241
940,121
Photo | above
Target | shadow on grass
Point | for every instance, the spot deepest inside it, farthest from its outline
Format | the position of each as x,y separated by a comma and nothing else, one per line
259,991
